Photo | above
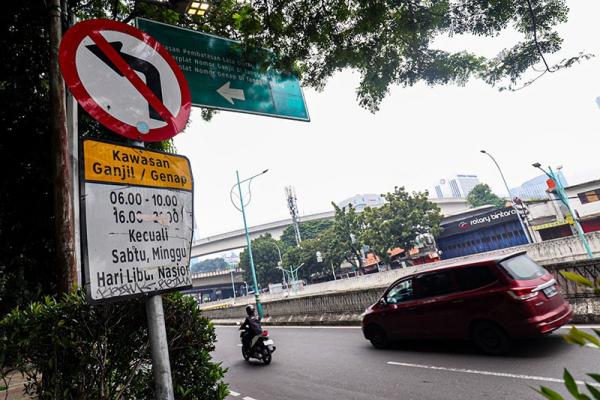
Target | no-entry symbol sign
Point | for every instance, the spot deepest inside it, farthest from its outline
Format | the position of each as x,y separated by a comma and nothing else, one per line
125,79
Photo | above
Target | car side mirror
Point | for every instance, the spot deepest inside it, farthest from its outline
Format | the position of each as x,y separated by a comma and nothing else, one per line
382,302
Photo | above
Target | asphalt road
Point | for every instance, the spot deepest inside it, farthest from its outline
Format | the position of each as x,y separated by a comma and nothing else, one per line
338,363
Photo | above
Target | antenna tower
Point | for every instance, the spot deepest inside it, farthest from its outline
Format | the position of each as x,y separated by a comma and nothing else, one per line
290,194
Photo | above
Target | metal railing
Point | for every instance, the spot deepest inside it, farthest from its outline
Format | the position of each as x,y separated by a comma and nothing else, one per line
589,269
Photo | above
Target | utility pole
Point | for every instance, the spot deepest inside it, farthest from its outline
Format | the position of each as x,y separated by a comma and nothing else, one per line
564,198
290,194
62,169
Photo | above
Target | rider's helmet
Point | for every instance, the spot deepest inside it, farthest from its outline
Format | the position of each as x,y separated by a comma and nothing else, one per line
250,310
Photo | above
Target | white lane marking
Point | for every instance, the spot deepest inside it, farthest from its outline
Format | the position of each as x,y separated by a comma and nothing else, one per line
234,394
267,327
311,327
500,374
238,345
580,326
249,398
358,327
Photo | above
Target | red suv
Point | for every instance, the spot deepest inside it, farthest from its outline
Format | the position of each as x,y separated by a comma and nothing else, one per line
490,301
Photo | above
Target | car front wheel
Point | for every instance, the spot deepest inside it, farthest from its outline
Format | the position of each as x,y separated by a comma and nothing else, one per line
378,337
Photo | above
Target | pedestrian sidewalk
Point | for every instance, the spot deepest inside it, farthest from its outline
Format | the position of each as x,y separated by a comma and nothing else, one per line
15,387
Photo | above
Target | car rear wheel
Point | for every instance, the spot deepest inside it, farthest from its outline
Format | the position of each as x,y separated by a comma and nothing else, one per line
378,337
490,338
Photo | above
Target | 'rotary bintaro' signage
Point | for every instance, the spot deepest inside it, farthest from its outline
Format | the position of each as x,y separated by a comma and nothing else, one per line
138,223
497,216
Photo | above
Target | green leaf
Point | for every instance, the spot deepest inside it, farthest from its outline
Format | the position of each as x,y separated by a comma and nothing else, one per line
570,384
574,340
580,337
549,393
572,276
595,392
595,377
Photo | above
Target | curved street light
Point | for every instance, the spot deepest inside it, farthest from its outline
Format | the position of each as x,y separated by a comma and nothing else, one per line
519,216
242,210
280,264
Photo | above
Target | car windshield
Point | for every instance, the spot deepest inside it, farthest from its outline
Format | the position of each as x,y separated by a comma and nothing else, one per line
522,268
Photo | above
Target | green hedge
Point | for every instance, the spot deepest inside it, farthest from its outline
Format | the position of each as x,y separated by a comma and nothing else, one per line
69,349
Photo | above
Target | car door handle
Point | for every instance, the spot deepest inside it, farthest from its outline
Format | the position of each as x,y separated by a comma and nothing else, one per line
411,309
458,301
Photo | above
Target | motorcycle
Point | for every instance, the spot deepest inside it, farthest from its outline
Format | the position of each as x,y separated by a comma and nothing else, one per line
262,349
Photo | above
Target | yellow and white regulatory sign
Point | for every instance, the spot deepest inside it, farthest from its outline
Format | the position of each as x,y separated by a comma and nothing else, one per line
138,211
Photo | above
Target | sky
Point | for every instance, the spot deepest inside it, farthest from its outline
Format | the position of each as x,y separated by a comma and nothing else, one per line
420,135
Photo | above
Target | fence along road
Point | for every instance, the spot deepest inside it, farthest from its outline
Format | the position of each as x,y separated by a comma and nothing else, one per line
547,253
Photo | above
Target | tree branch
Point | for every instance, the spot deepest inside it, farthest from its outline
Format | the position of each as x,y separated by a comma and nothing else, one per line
535,39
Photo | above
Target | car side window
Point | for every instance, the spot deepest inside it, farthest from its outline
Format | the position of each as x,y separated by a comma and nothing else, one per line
403,291
435,284
470,278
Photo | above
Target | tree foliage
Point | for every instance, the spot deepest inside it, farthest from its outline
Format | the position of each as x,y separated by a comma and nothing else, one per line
387,42
210,265
28,267
399,221
305,256
393,42
69,349
308,230
266,259
26,201
347,234
482,195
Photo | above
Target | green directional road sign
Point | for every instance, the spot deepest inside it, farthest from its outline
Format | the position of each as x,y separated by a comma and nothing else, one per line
222,74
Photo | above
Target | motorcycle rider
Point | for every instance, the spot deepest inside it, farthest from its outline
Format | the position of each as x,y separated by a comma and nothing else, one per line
251,327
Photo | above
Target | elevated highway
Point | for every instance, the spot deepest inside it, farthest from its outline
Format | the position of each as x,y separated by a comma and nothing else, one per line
211,286
236,239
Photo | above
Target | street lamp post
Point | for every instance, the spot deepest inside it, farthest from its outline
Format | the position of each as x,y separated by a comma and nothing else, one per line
232,283
280,263
242,209
519,216
562,195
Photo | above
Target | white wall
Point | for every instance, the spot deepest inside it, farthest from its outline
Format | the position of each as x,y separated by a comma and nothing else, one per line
584,210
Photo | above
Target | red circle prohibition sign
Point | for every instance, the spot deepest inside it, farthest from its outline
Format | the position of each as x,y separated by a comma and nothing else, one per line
174,122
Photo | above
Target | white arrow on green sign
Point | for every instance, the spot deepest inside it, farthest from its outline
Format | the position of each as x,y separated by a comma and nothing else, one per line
222,75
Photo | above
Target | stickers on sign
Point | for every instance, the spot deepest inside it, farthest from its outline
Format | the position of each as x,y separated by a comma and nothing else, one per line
125,79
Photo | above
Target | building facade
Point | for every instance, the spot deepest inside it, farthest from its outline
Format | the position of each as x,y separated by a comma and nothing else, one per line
550,219
459,185
360,201
535,188
479,230
585,202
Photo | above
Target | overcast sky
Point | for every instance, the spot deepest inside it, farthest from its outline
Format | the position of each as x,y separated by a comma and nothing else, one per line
420,134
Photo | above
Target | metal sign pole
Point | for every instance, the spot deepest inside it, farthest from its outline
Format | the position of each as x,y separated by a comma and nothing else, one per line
161,367
163,384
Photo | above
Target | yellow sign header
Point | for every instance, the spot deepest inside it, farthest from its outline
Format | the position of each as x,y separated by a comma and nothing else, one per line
560,222
112,163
